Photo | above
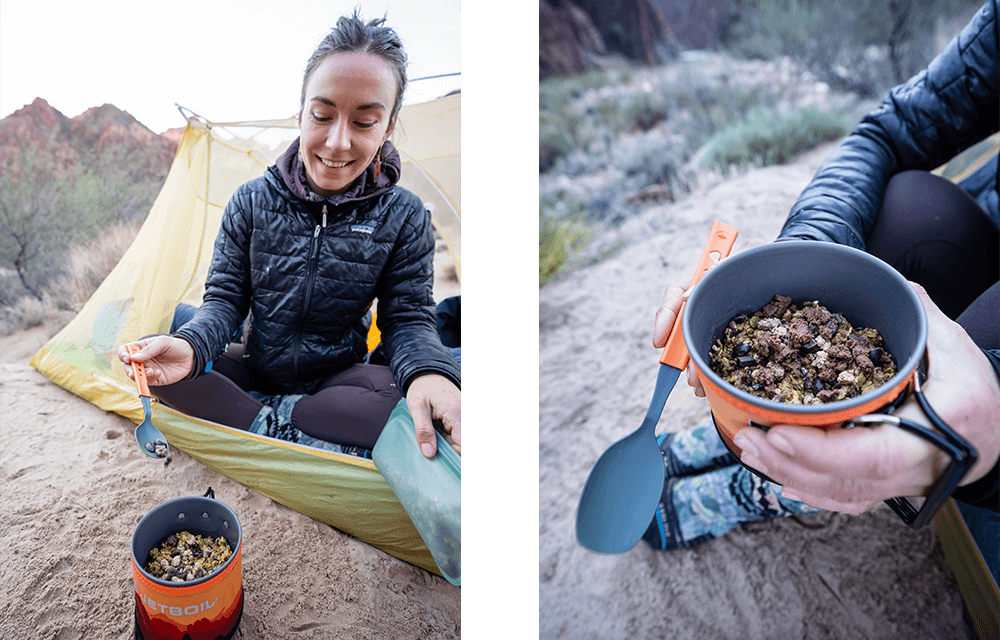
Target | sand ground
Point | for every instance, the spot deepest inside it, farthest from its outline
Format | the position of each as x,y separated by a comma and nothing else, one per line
74,486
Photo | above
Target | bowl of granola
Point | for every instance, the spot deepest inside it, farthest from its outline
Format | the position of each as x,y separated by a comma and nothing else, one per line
802,332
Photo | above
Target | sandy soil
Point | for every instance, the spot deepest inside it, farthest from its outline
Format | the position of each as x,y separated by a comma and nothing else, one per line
823,576
75,485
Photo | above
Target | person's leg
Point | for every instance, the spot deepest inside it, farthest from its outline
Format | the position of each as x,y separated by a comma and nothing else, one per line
699,508
936,234
213,397
692,451
220,395
350,408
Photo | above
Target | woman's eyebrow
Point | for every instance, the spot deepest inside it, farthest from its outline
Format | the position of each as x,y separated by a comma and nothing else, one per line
363,107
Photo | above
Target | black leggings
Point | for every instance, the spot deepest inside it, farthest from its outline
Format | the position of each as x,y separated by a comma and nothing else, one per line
936,234
350,407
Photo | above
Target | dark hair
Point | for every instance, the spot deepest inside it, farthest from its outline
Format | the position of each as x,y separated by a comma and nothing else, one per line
352,34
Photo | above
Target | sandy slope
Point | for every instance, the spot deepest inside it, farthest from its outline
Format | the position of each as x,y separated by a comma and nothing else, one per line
824,576
74,485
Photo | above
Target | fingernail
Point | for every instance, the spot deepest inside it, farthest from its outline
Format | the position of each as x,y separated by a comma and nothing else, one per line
427,449
780,443
745,446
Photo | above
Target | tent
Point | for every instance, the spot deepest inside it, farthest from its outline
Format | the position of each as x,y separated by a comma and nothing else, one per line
167,264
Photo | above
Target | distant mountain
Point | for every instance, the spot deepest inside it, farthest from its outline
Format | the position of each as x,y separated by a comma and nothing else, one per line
103,141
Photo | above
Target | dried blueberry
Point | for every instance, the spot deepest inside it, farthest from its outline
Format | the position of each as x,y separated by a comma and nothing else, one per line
741,349
875,355
817,386
810,347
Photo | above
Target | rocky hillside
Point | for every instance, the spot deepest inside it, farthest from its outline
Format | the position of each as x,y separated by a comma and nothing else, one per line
103,141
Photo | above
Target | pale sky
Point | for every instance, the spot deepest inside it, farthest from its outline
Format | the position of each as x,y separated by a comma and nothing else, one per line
223,59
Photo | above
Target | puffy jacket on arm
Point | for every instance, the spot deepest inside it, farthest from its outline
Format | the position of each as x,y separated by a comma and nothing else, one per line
227,287
921,124
406,308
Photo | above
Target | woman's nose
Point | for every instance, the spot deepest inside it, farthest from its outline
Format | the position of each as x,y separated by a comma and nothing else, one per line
338,137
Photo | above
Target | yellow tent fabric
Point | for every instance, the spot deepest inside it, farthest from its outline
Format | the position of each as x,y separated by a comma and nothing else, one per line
167,264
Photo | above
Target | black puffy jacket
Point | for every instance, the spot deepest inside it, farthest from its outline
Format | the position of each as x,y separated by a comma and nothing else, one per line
941,111
308,272
921,124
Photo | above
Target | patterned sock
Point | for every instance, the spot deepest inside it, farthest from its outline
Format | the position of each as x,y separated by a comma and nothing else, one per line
694,451
699,508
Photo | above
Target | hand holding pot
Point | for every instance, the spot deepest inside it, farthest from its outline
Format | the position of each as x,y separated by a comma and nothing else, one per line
666,316
851,470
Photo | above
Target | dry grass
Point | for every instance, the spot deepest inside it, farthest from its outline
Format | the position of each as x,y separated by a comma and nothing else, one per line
86,268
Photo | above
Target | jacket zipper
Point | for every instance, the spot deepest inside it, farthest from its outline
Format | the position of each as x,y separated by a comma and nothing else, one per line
311,271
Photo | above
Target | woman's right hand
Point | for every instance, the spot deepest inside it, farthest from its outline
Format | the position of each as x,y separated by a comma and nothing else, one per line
167,359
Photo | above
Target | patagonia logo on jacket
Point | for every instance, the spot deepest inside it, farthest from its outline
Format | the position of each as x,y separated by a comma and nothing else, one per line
363,228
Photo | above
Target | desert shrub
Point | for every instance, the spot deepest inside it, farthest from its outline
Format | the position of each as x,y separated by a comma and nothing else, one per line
643,111
558,239
648,160
767,138
554,142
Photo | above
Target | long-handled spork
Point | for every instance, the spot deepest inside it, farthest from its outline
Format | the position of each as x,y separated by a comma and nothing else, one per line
151,441
623,489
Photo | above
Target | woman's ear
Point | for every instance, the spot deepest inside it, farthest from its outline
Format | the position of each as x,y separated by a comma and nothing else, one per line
389,129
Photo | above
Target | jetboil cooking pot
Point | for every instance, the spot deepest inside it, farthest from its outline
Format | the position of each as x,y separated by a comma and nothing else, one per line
208,608
863,289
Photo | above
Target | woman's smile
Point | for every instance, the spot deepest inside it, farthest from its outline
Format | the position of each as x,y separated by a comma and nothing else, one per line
335,165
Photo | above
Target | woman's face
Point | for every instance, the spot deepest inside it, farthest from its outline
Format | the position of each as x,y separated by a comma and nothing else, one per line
345,118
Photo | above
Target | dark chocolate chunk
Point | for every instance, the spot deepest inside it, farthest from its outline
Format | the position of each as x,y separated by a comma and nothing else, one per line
860,338
150,447
817,386
745,361
810,347
875,355
741,349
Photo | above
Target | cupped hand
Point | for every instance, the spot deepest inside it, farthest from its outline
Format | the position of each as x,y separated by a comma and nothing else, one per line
666,316
433,397
167,359
850,470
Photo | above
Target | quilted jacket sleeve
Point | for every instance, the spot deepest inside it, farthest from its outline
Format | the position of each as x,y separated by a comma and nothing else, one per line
406,309
921,124
227,287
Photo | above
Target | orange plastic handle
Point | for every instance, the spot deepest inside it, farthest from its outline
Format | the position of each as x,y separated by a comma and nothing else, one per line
721,239
139,371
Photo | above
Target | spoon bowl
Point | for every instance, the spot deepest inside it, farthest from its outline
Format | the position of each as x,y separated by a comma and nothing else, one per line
150,440
621,494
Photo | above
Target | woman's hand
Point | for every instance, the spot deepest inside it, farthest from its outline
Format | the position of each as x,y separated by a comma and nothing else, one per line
666,316
167,359
851,470
434,397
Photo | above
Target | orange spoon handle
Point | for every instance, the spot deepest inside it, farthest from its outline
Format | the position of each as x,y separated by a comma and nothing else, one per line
720,242
139,371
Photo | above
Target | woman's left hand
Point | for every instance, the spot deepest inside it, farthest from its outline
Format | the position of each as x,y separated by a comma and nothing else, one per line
851,470
434,397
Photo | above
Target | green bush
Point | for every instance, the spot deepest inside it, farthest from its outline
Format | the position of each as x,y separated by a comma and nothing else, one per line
558,240
643,112
766,138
